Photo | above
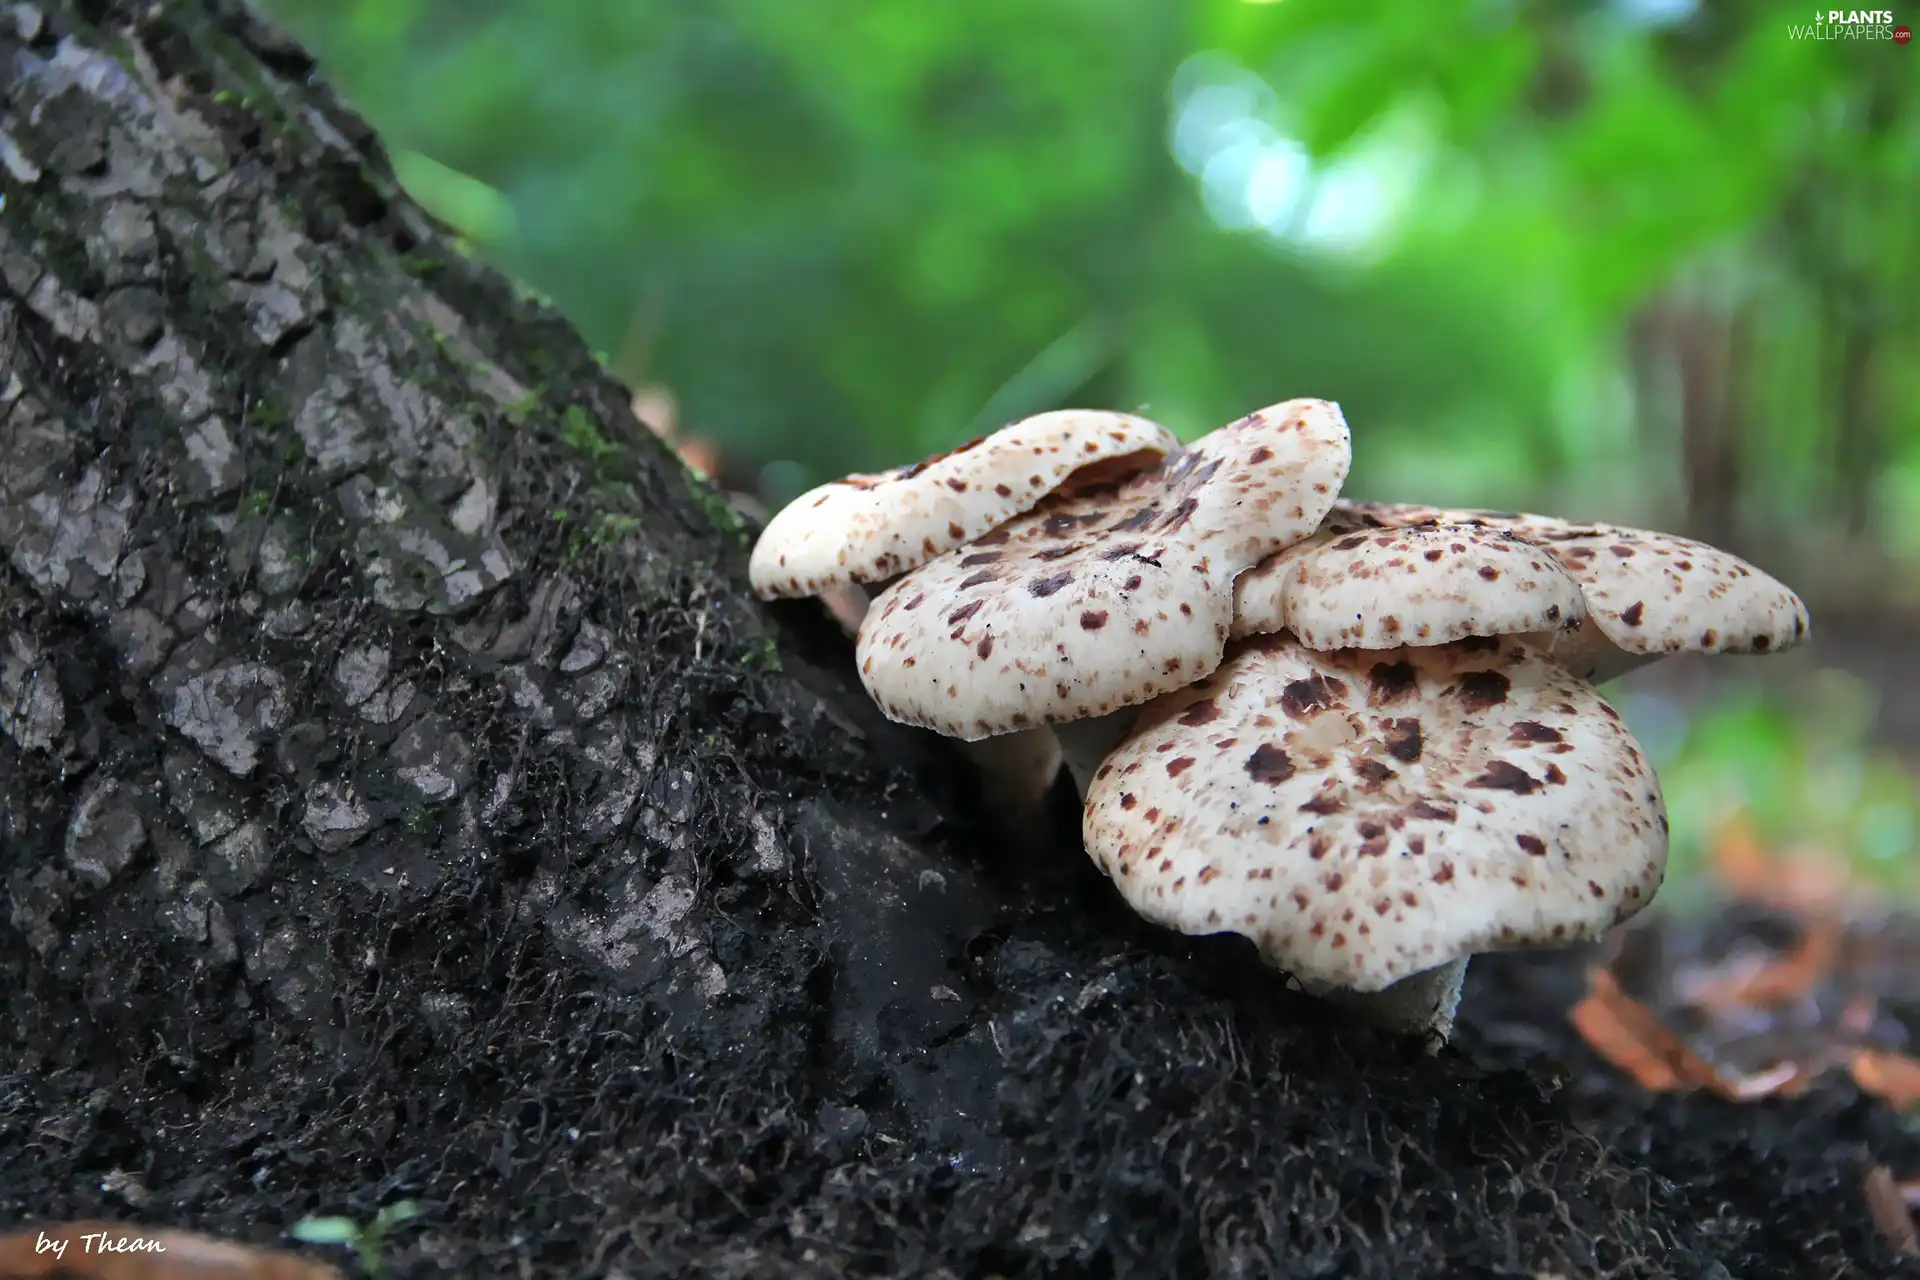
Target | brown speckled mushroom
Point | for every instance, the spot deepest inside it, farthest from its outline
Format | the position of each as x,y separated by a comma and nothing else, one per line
1647,594
1097,601
1355,587
1372,819
862,529
1016,769
871,528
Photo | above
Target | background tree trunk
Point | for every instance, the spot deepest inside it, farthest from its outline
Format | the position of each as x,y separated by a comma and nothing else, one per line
402,796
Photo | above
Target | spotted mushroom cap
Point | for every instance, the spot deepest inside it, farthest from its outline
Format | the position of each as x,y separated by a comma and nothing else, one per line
1099,600
1367,815
869,528
1351,587
1647,594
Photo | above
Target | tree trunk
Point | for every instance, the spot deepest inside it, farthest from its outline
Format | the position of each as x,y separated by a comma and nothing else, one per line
402,796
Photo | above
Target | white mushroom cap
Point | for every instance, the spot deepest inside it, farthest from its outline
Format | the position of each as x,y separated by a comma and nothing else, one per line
1352,587
1100,600
1647,594
1368,816
869,528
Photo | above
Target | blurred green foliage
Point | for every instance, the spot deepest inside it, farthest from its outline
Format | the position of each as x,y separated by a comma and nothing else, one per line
848,232
1800,765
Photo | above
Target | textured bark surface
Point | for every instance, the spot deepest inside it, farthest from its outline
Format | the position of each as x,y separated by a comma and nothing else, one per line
400,795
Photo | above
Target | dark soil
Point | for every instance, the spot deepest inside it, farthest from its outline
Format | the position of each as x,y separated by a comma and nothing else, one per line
1040,1091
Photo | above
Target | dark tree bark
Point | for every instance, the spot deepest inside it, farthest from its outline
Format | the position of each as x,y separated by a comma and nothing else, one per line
401,795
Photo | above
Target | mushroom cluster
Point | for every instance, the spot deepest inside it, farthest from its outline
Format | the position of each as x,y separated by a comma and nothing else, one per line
1365,736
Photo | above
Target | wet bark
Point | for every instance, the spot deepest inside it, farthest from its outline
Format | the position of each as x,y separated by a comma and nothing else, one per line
401,795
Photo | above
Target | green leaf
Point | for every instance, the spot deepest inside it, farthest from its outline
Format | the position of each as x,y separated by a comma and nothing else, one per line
326,1231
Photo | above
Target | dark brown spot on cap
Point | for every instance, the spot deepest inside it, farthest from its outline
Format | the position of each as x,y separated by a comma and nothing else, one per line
1200,712
1480,690
1533,731
1632,614
1177,767
1503,775
1316,693
1093,619
1044,587
1533,845
1269,764
1180,513
1403,739
1390,681
1374,772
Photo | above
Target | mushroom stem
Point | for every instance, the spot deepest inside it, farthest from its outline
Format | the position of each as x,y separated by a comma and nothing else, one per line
1017,770
1421,1004
1085,743
848,603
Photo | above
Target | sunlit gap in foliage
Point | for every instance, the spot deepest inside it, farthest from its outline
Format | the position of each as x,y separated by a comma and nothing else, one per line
1226,132
1656,13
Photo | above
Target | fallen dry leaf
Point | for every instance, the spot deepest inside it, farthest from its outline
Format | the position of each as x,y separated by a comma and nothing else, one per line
1781,982
128,1251
1857,1017
1781,1080
1632,1037
1888,1208
1892,1077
